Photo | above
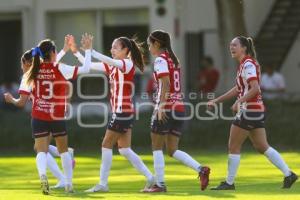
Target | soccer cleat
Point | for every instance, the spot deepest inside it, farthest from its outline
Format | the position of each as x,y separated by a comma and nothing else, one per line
149,184
44,185
60,184
289,180
204,177
71,152
224,186
156,188
97,188
69,188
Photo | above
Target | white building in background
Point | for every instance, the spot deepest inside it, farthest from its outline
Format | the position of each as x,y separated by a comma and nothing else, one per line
191,23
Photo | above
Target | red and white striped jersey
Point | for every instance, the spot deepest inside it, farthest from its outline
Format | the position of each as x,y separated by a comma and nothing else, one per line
164,66
49,91
121,86
249,70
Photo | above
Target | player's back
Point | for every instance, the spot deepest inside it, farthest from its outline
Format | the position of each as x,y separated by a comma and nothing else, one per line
49,93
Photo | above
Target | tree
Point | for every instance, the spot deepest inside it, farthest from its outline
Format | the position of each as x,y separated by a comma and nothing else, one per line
230,14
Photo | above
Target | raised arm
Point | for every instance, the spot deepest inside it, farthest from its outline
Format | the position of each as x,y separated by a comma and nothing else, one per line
110,61
65,49
98,66
70,71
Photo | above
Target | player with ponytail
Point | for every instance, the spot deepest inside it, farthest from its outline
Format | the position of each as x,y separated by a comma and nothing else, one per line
250,114
120,69
168,116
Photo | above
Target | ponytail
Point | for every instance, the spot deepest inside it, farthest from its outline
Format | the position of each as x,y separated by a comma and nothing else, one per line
43,50
34,69
251,49
136,51
137,55
171,52
164,40
249,44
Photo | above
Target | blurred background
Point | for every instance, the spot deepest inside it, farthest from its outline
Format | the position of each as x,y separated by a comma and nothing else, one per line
201,31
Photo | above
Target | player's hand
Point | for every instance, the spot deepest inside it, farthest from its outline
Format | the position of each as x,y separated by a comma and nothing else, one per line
162,116
66,43
8,97
72,44
235,107
86,41
211,104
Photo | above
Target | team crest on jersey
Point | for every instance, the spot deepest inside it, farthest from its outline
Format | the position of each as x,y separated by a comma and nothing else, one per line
248,66
158,61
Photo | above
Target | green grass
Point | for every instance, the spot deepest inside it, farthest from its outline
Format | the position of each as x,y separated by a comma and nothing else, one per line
257,179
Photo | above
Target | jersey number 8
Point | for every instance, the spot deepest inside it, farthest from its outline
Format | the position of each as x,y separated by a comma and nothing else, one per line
176,77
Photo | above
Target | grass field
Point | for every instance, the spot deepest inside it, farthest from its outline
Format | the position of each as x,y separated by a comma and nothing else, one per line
257,179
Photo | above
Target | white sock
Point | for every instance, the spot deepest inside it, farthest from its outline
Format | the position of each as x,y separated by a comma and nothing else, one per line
136,161
53,150
41,163
277,160
53,167
66,162
106,161
233,165
159,166
187,160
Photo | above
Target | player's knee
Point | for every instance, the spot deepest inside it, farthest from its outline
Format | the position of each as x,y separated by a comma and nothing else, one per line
171,151
260,148
124,151
234,149
157,145
107,144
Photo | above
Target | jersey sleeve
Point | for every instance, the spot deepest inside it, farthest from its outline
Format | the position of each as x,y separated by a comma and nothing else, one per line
69,72
124,65
250,72
161,67
100,67
60,55
24,87
97,66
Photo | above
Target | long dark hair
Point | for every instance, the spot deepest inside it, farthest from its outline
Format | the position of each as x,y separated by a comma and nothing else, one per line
249,44
43,50
164,40
136,51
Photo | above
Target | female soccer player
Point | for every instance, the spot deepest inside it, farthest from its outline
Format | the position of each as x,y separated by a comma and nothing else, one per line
126,55
167,118
26,62
250,117
47,81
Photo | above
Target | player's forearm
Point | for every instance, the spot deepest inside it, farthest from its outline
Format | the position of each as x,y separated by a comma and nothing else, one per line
113,62
60,55
164,93
18,102
228,95
87,63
